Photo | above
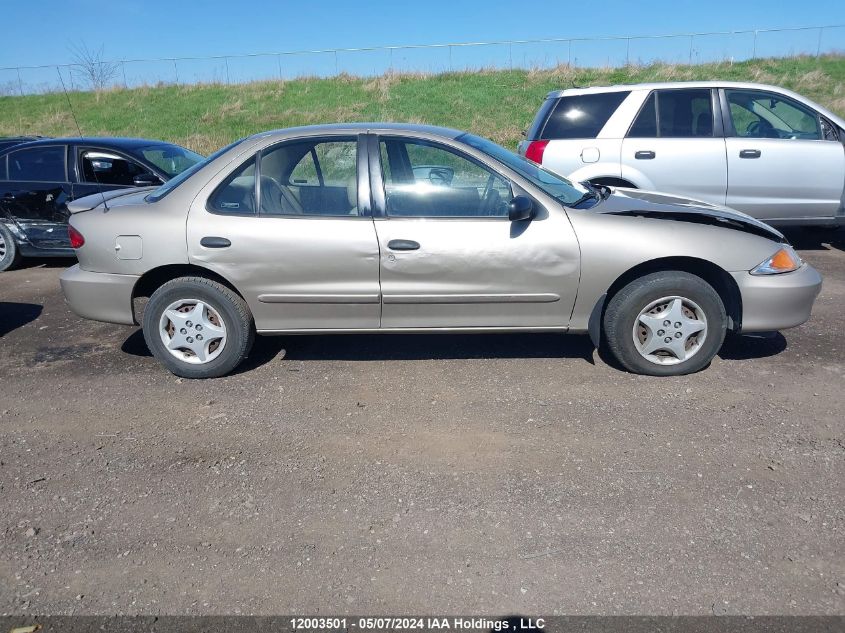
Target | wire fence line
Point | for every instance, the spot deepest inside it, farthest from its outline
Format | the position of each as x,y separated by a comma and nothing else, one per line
613,51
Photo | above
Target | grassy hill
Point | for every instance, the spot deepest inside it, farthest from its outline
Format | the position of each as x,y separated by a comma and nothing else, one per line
497,104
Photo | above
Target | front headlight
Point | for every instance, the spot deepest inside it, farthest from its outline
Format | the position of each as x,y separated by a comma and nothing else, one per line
784,261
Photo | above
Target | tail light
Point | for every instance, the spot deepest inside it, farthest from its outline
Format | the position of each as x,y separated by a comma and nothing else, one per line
535,150
76,238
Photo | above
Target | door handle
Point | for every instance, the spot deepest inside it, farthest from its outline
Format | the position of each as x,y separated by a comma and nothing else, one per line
750,153
215,242
644,155
403,245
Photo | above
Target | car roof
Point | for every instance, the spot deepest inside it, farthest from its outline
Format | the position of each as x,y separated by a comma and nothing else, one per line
666,85
4,139
361,127
103,141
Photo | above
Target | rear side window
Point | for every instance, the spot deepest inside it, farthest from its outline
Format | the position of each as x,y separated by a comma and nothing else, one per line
675,114
582,116
536,128
43,164
236,194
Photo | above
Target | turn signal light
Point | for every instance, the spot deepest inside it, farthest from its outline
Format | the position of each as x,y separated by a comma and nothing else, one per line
535,151
76,238
784,261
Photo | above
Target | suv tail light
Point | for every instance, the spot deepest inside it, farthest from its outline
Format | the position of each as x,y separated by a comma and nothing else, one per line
76,238
535,150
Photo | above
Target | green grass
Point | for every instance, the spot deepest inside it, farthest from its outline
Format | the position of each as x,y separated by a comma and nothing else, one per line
496,104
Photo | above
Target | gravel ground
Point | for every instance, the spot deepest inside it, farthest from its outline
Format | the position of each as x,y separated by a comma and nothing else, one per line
418,474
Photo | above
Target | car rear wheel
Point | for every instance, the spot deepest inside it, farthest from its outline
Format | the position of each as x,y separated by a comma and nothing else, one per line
10,255
667,323
198,328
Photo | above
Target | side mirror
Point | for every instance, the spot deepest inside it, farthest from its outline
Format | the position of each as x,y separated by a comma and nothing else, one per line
520,208
146,180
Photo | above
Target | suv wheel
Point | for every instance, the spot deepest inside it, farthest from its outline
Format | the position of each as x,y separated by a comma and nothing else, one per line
198,328
665,324
10,256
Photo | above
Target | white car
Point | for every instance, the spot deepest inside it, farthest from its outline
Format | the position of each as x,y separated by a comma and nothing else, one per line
763,150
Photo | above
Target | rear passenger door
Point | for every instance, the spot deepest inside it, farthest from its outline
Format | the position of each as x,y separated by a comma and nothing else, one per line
34,191
291,228
450,257
676,145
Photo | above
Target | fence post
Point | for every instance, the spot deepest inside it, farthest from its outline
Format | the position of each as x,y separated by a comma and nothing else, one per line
176,72
627,51
569,56
450,58
510,54
691,38
20,83
819,46
279,64
226,59
336,66
123,68
754,50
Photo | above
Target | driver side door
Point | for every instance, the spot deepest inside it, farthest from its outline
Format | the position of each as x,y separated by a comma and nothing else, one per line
785,161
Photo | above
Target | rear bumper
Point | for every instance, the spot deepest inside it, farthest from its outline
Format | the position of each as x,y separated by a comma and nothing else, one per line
777,302
99,296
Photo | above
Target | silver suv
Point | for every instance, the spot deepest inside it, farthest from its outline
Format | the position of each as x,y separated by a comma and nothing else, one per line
763,150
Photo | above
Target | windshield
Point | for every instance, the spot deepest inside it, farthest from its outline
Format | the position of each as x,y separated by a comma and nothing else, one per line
171,159
569,193
177,180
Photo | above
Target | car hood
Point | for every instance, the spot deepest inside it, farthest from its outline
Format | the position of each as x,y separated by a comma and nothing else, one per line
652,204
113,198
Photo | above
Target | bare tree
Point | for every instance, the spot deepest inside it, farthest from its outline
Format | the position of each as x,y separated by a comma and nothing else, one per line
89,65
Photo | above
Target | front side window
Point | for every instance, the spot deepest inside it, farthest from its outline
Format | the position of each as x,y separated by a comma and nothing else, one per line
756,114
107,168
314,177
582,116
43,164
423,179
684,113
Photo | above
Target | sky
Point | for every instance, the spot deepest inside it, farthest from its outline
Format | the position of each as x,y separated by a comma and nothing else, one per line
154,28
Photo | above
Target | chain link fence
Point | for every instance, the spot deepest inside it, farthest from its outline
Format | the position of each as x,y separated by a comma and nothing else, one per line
612,51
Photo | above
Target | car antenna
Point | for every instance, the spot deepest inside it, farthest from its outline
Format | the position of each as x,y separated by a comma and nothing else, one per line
79,130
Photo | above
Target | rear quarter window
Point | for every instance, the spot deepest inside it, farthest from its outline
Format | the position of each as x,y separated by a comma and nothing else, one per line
581,116
540,120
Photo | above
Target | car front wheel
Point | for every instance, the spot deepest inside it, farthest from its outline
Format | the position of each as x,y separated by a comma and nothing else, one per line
198,328
667,323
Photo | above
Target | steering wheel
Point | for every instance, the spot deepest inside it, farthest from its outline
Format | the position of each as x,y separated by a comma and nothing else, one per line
760,129
490,199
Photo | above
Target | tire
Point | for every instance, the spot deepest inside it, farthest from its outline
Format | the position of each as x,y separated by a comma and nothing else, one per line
688,301
10,255
208,341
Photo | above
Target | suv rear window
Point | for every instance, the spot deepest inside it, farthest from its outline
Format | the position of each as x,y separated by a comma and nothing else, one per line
581,116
